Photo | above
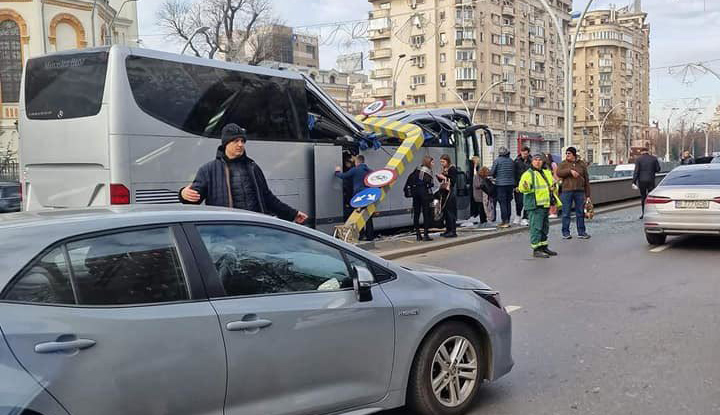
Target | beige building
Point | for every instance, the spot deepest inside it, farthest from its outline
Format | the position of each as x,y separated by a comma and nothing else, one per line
447,53
611,83
280,44
30,28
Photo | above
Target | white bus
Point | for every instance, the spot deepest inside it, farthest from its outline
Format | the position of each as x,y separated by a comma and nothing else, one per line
120,125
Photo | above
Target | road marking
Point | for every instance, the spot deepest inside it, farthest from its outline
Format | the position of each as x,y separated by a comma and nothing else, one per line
512,308
661,248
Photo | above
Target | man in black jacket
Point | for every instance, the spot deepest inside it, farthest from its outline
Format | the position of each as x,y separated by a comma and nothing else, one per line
234,180
646,167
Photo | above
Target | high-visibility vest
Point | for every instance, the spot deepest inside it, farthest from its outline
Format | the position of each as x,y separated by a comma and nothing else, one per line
532,182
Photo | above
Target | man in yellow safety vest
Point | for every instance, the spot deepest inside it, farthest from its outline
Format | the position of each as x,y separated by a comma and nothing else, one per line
540,192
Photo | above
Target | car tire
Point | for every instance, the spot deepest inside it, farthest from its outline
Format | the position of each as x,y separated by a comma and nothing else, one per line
656,238
422,399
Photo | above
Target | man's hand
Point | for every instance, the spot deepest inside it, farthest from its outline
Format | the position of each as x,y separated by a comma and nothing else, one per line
574,174
301,217
190,195
338,169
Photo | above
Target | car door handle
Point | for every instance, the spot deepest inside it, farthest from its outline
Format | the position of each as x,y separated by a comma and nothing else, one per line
248,325
52,347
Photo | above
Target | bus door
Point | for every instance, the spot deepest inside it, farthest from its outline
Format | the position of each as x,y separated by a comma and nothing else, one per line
328,188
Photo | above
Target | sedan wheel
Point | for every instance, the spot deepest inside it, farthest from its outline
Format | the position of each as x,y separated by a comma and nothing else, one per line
454,372
447,371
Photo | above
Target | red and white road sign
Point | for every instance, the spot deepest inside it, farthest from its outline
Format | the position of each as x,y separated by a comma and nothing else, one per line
381,178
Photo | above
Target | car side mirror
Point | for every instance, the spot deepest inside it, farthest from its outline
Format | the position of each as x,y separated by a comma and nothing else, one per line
363,281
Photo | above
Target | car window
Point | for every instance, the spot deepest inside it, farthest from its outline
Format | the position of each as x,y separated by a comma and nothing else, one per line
136,267
255,260
46,282
704,177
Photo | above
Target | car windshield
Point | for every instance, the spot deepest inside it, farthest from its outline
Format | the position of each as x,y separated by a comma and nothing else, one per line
693,178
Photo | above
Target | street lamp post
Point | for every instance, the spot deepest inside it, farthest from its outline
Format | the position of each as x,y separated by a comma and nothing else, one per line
396,73
667,136
569,53
477,104
109,38
199,30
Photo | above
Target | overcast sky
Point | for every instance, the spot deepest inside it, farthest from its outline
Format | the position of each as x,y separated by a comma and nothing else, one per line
681,31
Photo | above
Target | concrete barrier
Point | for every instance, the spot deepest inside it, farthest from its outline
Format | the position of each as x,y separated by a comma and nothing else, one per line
615,190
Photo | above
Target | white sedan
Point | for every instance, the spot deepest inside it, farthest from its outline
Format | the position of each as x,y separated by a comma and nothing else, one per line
687,201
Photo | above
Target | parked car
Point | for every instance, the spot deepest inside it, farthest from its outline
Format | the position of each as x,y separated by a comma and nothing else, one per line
716,160
687,201
623,170
196,310
10,198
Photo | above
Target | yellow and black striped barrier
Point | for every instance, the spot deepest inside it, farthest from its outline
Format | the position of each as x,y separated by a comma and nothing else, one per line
413,138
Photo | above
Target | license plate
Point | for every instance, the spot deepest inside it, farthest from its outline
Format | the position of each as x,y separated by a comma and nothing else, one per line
692,204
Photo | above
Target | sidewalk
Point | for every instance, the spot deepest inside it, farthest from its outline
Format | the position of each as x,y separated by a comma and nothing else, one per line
406,245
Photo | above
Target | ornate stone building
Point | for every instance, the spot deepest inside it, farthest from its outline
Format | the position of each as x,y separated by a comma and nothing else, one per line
30,28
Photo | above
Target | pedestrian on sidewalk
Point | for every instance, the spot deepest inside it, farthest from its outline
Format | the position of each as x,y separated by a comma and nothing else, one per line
523,162
503,170
489,193
419,186
448,181
646,167
357,175
575,191
477,208
234,180
540,192
552,166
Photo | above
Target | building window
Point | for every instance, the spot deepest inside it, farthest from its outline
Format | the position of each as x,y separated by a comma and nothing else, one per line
418,60
418,99
311,50
466,74
443,78
385,6
496,59
496,77
418,80
10,61
417,40
332,79
465,55
443,57
468,96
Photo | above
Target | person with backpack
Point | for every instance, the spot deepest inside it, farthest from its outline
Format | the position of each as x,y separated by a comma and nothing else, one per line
419,187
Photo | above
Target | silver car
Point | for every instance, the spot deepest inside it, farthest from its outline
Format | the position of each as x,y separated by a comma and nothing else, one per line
687,201
189,311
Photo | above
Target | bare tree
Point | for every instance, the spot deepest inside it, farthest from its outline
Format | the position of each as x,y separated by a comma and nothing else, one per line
238,29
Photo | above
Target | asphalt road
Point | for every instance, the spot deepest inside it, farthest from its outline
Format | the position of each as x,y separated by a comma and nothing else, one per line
611,326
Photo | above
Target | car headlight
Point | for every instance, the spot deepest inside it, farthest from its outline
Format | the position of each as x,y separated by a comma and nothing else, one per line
492,297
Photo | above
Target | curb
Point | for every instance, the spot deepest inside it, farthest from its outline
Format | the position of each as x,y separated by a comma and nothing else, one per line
464,240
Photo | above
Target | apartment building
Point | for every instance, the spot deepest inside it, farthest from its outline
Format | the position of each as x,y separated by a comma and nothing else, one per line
611,83
449,53
280,44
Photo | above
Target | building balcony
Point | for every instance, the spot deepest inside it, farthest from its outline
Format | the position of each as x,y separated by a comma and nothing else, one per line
507,29
465,43
509,88
508,11
537,74
383,53
605,83
537,57
381,73
605,69
465,64
538,93
466,84
10,111
604,109
379,14
380,34
465,3
382,92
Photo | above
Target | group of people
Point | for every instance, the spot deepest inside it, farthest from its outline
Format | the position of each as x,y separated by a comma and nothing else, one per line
234,180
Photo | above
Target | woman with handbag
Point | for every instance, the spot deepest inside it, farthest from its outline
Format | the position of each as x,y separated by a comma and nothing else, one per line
419,187
448,180
477,210
483,182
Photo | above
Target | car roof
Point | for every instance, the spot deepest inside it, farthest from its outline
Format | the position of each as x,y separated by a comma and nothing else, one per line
693,167
24,235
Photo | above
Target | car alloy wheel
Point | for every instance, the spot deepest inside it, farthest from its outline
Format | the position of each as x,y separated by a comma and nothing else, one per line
454,371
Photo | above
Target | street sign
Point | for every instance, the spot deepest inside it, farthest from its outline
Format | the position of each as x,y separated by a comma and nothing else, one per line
373,108
366,197
381,178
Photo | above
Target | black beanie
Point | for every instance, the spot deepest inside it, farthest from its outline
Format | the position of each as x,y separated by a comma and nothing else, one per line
572,150
232,132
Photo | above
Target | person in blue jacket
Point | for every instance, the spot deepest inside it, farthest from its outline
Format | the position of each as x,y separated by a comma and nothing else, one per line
357,176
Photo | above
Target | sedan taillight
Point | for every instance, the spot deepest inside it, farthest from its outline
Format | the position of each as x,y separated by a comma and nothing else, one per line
657,200
716,200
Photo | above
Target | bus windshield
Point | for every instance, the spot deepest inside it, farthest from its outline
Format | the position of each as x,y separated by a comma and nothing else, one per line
65,86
